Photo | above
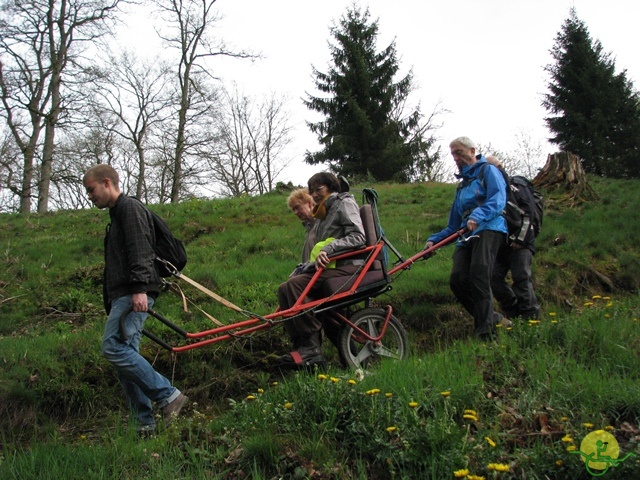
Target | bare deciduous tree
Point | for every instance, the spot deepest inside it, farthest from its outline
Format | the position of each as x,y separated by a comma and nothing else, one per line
137,94
530,153
39,40
9,177
252,138
189,31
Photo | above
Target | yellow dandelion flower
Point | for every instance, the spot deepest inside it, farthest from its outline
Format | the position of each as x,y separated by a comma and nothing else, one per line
596,297
587,425
83,437
567,439
388,394
275,384
564,419
490,442
606,315
392,429
498,467
475,477
470,412
534,322
288,405
445,393
554,321
468,416
322,376
334,379
606,298
461,473
552,314
559,463
251,397
413,404
352,381
588,304
571,448
609,428
373,391
260,390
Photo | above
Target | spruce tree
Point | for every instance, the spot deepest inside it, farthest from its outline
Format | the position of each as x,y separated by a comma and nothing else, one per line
366,131
594,112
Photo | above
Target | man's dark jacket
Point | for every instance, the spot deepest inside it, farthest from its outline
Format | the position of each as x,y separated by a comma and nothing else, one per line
129,255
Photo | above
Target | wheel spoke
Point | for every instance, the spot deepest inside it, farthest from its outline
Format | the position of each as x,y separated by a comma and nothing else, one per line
363,354
371,327
388,352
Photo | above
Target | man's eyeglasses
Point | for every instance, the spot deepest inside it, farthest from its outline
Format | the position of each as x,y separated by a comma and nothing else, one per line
317,189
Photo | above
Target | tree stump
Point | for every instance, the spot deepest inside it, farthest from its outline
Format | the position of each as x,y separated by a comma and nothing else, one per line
563,173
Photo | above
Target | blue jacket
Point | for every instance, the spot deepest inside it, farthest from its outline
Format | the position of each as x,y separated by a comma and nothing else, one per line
480,197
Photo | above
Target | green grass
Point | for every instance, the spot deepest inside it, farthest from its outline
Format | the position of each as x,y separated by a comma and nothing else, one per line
61,409
539,384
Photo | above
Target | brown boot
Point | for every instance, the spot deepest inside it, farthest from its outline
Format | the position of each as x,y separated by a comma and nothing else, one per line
172,410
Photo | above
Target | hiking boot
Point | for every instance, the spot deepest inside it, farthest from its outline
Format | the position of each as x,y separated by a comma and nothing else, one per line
505,322
172,410
306,354
303,357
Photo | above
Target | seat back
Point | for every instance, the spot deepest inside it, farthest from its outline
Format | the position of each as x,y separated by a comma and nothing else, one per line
371,235
370,232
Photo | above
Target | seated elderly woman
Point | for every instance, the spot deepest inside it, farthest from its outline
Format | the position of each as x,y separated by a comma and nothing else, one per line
338,228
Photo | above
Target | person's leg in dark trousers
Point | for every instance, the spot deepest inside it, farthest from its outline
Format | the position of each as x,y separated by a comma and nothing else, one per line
302,325
473,290
304,329
520,265
459,277
501,290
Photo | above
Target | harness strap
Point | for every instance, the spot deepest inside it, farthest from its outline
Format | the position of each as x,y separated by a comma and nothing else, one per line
213,295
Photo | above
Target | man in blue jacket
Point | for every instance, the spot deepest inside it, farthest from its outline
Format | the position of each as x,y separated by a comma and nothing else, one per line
478,204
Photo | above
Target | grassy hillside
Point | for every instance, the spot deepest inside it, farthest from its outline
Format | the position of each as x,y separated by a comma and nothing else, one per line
55,388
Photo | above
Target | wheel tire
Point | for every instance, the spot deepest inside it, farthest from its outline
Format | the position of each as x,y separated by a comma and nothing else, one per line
358,354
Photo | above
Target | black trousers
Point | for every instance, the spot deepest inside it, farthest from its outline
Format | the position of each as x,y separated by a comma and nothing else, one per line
307,324
470,278
519,298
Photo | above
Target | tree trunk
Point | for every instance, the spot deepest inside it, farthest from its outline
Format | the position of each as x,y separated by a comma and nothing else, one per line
564,174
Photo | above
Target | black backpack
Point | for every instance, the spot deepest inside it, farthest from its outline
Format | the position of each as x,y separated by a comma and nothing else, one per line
520,192
520,188
167,247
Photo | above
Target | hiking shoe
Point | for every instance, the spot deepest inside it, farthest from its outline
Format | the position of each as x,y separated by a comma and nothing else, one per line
172,410
302,359
505,322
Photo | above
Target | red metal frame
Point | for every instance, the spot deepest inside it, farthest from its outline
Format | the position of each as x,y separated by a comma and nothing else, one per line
257,323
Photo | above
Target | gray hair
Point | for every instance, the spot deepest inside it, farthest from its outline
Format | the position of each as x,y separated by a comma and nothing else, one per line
466,142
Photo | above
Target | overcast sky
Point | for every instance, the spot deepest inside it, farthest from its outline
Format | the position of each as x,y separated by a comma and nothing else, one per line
483,60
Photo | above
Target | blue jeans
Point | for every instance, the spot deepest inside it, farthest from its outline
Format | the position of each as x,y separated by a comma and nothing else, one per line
142,384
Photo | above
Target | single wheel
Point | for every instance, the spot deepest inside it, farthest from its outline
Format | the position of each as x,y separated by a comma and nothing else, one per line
356,351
